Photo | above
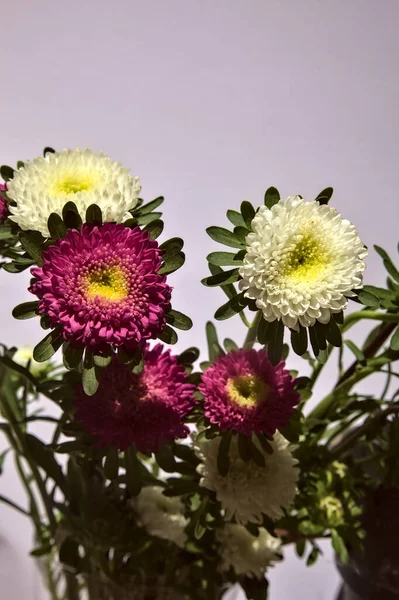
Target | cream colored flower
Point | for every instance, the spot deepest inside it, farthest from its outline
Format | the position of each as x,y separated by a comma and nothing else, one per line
302,262
24,357
249,491
161,516
245,553
44,185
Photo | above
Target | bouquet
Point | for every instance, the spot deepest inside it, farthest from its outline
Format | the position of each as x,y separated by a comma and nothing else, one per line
165,477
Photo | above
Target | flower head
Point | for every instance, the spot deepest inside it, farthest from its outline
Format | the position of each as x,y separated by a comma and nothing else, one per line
249,491
44,185
245,553
161,516
143,409
245,393
302,262
100,284
3,203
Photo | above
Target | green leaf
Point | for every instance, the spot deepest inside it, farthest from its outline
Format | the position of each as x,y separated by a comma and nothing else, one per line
168,335
2,458
172,263
155,228
325,196
275,346
149,207
223,278
137,365
188,356
47,150
241,234
6,172
230,345
321,336
72,357
56,226
26,310
133,472
171,247
264,443
230,308
395,340
356,351
255,589
146,219
300,547
333,333
214,349
299,340
42,550
71,216
272,196
166,459
179,320
224,259
248,213
314,340
256,455
48,346
392,270
10,364
368,299
312,557
223,458
339,546
90,376
236,218
264,331
69,553
224,236
244,447
44,458
111,464
102,361
94,214
32,243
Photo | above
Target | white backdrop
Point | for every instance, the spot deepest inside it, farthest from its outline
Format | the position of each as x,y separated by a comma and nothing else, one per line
209,103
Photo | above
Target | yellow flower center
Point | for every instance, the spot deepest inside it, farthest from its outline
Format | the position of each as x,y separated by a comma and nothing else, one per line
247,390
307,261
109,284
73,182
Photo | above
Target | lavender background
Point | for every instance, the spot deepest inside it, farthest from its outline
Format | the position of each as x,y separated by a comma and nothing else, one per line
209,103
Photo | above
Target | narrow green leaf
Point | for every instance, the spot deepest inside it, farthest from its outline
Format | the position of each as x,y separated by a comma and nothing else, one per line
223,458
72,357
171,247
168,335
241,234
230,345
94,214
166,459
392,270
312,557
15,506
179,320
32,243
10,364
244,447
48,150
26,310
188,356
48,346
137,365
275,346
264,330
236,218
256,455
44,458
133,472
230,308
300,547
224,259
42,550
314,340
356,351
146,219
90,376
339,546
214,349
223,278
154,228
6,172
299,340
272,196
149,207
325,196
102,361
111,464
20,164
6,232
338,318
368,299
56,226
395,340
71,216
248,213
172,263
224,236
321,336
333,334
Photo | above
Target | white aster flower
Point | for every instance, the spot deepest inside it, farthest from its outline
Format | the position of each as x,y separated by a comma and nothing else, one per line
161,516
44,185
24,357
245,553
302,262
249,491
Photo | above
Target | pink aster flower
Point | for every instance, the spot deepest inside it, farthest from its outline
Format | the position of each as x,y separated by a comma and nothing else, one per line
100,284
142,409
3,203
244,392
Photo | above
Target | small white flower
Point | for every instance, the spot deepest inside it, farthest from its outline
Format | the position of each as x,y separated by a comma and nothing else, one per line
24,357
161,516
44,185
249,491
302,262
247,554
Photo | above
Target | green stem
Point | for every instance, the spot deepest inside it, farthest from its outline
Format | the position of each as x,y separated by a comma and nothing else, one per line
252,331
354,317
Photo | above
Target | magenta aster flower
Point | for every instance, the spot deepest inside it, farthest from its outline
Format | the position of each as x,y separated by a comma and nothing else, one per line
142,409
101,285
3,203
244,392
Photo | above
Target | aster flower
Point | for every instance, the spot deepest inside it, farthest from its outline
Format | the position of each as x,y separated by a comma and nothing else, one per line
249,491
143,409
44,185
3,203
101,286
302,262
161,516
243,392
245,553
